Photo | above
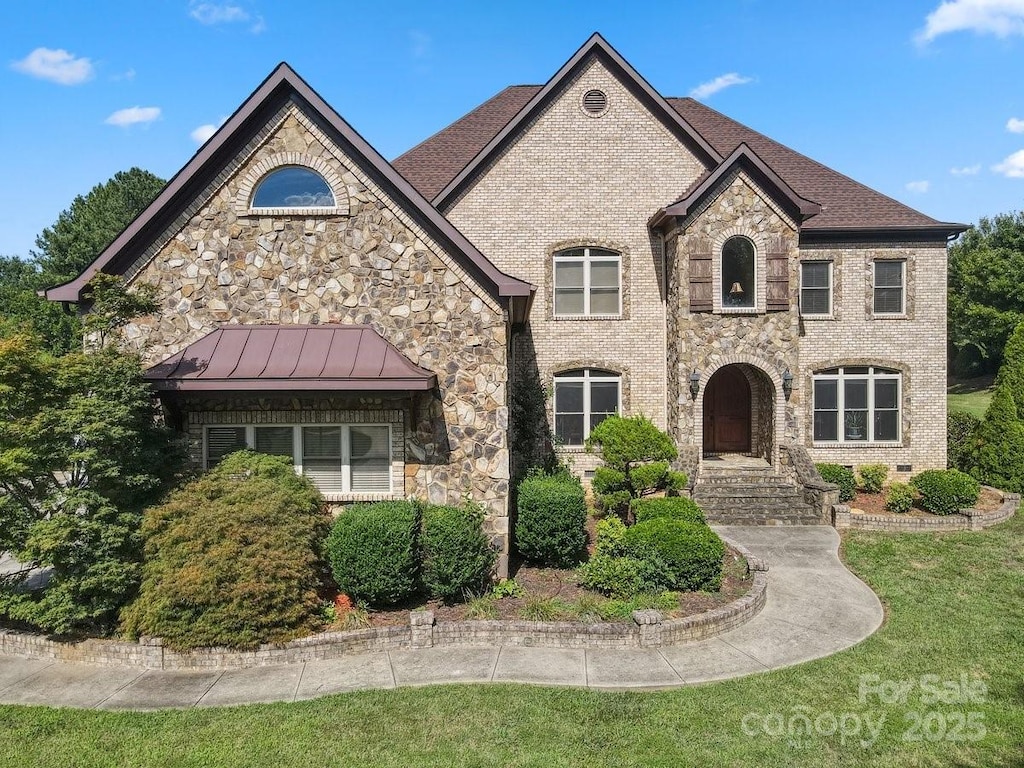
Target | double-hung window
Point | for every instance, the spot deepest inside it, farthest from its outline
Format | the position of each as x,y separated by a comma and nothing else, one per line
816,288
587,283
583,399
338,458
857,405
890,278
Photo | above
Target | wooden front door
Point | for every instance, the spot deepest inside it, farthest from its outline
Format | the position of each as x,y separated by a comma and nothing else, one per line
727,412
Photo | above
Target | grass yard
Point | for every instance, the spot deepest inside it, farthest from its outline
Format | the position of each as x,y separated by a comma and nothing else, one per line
955,606
971,395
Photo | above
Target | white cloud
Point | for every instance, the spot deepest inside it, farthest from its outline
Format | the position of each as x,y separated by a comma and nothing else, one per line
920,187
203,132
1015,125
1001,18
721,82
57,66
1012,167
967,170
133,116
128,74
211,13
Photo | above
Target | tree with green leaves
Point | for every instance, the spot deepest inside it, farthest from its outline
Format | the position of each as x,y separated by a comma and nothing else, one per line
21,309
986,291
636,457
82,453
82,231
998,453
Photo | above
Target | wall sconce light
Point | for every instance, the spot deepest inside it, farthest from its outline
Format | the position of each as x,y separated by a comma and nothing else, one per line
787,383
694,384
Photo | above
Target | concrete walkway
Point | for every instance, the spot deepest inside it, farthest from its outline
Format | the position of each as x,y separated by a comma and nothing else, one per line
815,608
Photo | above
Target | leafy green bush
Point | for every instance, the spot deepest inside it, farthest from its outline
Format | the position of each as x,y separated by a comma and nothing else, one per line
961,428
610,532
899,497
552,518
457,558
841,476
872,477
624,576
691,552
373,553
231,559
997,457
672,507
946,491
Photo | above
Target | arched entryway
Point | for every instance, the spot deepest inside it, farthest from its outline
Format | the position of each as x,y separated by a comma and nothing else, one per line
727,412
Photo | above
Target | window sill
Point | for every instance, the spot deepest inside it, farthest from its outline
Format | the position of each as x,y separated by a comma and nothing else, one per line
571,449
738,311
818,317
858,444
264,212
562,318
339,498
886,316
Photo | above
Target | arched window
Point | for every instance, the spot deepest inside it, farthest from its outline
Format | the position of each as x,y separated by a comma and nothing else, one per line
857,404
293,187
739,289
583,399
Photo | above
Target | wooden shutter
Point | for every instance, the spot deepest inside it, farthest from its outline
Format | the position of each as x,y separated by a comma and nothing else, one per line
700,255
777,279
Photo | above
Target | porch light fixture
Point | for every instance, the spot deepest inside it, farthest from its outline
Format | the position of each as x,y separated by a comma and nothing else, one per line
787,383
736,290
694,384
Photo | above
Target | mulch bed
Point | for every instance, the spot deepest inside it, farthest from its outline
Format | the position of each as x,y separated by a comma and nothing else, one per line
874,504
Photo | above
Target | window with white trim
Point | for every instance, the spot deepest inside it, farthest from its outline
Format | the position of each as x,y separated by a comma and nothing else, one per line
587,283
889,281
293,186
739,274
338,458
857,404
816,288
583,399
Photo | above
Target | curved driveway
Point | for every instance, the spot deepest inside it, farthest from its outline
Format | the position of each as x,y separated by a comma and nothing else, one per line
815,608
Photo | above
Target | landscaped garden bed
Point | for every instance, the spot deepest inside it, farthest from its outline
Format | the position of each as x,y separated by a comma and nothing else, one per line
863,503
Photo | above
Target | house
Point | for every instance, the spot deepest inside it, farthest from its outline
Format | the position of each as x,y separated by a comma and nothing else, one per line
622,251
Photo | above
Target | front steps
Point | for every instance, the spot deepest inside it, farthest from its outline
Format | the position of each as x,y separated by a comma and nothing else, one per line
751,495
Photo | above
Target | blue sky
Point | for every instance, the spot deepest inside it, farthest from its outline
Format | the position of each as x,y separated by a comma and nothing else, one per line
922,100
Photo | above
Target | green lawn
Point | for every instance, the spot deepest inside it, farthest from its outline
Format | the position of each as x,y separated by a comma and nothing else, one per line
971,395
955,607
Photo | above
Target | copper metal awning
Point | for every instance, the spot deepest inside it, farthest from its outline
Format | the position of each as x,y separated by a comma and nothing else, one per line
282,358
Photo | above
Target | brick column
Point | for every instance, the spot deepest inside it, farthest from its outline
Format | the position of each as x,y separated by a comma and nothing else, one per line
421,625
649,621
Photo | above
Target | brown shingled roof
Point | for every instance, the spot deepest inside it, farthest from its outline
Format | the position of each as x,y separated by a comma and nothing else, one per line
845,204
290,357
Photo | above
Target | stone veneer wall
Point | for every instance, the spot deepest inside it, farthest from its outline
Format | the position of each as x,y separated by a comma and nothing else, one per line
914,343
573,179
373,266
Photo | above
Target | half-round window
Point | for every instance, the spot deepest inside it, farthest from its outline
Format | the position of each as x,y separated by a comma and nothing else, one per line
293,187
738,273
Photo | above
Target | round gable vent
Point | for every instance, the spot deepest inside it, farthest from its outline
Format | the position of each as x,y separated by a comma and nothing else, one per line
595,102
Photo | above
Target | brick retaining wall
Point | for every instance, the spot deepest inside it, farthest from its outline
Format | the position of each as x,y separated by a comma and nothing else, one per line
965,520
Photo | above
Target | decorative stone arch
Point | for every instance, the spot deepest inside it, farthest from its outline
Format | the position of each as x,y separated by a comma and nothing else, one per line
761,244
259,170
766,383
586,242
843,362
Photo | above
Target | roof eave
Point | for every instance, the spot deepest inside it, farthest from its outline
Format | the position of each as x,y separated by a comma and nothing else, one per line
944,229
293,385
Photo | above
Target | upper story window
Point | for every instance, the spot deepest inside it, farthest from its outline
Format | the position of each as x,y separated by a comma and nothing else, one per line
739,289
583,399
338,458
587,283
856,404
889,282
293,187
816,288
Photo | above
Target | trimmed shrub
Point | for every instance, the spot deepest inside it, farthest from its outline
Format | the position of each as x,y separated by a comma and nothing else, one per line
946,491
998,456
372,549
232,558
671,507
552,519
691,552
961,428
622,577
841,476
457,557
899,497
872,477
610,532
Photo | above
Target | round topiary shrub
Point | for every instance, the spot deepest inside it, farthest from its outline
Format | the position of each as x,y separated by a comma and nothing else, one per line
457,557
231,558
899,498
946,491
670,507
841,476
623,577
872,477
552,518
373,553
691,552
